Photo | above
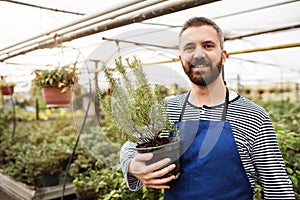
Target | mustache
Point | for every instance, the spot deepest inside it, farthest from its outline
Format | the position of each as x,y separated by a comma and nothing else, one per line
200,61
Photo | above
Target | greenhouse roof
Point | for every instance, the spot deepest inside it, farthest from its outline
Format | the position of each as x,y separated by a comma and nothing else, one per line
262,37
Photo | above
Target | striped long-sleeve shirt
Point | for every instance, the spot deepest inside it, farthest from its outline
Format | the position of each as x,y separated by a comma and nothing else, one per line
255,138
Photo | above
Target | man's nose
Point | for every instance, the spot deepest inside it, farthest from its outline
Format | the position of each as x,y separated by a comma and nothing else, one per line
199,52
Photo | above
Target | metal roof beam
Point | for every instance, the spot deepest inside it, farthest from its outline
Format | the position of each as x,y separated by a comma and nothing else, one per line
160,10
139,43
282,46
263,32
85,18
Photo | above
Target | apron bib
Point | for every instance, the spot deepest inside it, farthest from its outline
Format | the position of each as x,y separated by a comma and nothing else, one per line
211,168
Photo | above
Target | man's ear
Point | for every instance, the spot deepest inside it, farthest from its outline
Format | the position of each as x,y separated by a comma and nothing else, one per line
224,56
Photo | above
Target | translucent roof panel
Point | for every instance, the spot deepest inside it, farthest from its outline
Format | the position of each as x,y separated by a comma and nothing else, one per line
262,37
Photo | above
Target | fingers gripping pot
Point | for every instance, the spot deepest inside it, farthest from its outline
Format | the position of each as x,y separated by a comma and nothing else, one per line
170,150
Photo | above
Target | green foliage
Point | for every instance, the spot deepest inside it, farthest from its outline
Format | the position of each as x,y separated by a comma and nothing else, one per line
109,184
5,118
83,161
3,83
113,186
63,77
137,107
97,144
87,183
37,147
285,116
108,125
289,143
101,147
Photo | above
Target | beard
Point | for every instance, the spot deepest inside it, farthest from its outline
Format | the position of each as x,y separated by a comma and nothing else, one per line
203,78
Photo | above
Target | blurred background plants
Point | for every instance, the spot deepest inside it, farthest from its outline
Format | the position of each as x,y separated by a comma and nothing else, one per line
285,116
98,150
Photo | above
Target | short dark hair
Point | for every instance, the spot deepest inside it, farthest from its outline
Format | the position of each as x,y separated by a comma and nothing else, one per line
201,21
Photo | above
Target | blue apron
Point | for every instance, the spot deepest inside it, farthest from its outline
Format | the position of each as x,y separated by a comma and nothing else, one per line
211,168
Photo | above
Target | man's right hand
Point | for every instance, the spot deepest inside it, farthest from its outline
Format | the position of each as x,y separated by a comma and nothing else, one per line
147,174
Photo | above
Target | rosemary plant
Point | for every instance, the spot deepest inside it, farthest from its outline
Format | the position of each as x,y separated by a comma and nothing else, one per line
137,106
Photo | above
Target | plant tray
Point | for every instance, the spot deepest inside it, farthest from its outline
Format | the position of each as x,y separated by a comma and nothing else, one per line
21,191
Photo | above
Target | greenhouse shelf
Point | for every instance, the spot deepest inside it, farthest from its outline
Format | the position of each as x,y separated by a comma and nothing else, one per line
21,191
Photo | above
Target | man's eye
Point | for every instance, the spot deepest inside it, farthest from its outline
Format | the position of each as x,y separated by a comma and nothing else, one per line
209,46
189,48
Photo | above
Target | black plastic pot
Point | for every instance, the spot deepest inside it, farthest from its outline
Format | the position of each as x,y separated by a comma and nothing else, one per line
50,179
91,197
170,150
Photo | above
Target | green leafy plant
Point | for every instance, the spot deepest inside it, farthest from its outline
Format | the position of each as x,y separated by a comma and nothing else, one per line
87,184
38,147
101,147
286,116
5,117
109,184
138,108
53,148
48,157
113,186
62,77
4,83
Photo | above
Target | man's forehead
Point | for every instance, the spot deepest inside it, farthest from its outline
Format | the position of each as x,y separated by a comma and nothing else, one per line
204,29
199,33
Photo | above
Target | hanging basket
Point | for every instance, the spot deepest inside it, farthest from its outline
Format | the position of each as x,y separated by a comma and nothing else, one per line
54,98
7,89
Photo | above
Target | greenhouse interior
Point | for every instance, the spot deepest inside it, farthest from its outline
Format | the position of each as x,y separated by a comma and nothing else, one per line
81,45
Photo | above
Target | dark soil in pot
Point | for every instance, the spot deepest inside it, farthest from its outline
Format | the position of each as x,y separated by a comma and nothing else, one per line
163,148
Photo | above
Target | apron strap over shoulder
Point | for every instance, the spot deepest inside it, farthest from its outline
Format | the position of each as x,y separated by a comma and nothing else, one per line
225,105
183,106
224,109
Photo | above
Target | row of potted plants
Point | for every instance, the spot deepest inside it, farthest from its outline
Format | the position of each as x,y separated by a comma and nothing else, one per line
109,183
36,149
46,146
41,152
131,110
